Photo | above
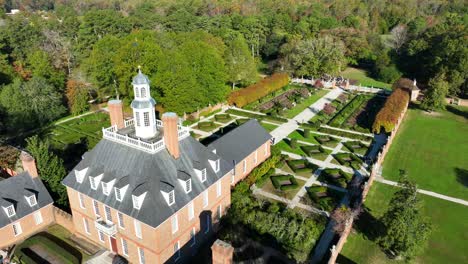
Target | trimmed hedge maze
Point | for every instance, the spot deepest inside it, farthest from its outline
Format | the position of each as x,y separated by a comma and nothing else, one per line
356,147
301,166
284,182
327,140
223,118
349,160
324,198
336,177
316,151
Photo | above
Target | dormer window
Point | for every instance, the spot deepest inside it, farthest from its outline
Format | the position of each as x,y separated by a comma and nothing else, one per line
214,164
9,210
185,181
188,186
107,187
171,198
80,174
201,174
138,200
120,192
31,200
94,181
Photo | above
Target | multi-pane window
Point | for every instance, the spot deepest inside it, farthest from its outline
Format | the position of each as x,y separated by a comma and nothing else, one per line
120,220
38,217
205,199
146,118
107,210
188,185
81,199
96,208
137,228
118,194
177,250
137,92
244,166
143,92
191,212
10,210
101,236
31,200
86,225
203,175
137,117
141,255
218,188
124,247
171,198
105,188
175,224
17,229
193,236
92,182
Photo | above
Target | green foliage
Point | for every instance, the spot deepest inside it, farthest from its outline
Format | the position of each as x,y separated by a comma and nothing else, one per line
278,179
344,134
293,143
51,247
50,168
40,65
306,133
261,172
301,165
240,65
406,230
434,98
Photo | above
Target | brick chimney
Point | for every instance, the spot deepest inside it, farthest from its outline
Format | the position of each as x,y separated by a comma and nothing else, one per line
222,252
29,164
171,134
116,113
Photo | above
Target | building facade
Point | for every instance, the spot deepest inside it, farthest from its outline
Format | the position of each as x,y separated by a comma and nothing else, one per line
149,191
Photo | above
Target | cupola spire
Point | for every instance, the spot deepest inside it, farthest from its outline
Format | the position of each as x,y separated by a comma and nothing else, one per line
143,107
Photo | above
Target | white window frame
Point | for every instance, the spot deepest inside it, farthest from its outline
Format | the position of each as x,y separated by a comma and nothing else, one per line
233,177
218,188
188,186
217,166
177,250
137,92
81,199
108,213
138,200
10,210
96,208
191,211
101,236
137,117
171,197
38,218
205,199
94,181
143,92
120,192
193,237
32,201
146,119
80,175
244,166
124,246
86,226
203,175
175,223
120,220
137,226
141,255
17,230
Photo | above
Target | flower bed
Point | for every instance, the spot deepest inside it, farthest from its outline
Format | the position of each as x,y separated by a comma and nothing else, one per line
327,140
284,182
349,160
335,177
356,147
301,166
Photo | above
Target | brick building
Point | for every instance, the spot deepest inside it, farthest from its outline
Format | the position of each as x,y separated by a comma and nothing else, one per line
150,192
27,206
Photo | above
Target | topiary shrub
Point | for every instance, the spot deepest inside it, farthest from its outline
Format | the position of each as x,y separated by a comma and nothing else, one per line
293,143
306,133
278,182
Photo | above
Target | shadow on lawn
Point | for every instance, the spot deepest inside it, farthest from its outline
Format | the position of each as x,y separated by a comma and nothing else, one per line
456,111
371,227
462,176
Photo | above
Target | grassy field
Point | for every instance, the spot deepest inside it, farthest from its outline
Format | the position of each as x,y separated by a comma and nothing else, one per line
362,77
299,135
305,103
432,148
447,243
268,127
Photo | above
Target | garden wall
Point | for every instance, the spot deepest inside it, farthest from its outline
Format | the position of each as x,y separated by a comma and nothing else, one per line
336,249
64,219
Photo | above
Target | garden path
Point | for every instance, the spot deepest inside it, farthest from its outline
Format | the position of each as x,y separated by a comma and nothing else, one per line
78,116
335,151
320,163
287,128
433,194
347,130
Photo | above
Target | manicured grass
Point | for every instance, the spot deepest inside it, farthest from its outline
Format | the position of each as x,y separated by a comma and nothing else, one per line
288,194
65,235
447,243
299,135
268,127
433,151
363,79
284,146
305,103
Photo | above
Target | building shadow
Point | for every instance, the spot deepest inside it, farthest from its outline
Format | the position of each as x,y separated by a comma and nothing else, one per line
344,260
64,245
462,176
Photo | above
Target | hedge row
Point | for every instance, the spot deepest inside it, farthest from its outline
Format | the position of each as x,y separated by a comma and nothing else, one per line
205,124
346,112
310,150
260,171
344,134
256,116
343,179
354,163
350,145
275,180
256,91
388,116
222,117
301,165
323,139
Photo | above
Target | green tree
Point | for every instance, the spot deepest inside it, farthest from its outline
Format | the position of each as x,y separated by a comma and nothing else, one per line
240,65
50,168
40,66
406,231
434,98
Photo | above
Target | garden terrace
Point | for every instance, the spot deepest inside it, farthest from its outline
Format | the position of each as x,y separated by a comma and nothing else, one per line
288,146
305,103
259,117
283,101
330,110
322,197
356,147
284,182
345,134
349,160
335,177
363,118
316,152
223,118
303,135
207,126
360,77
298,166
339,120
327,140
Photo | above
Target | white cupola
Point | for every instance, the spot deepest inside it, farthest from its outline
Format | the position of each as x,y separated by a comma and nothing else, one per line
143,107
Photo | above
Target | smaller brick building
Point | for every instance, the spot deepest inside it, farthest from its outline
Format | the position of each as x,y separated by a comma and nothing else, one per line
26,205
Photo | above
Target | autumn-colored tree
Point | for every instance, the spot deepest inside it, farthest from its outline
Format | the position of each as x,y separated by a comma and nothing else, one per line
77,97
388,116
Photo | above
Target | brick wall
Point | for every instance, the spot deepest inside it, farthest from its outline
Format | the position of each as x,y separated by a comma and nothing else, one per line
250,162
336,249
64,219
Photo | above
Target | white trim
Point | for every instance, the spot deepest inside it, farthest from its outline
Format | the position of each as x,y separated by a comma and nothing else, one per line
86,226
174,223
17,230
38,218
107,187
32,201
137,227
191,211
201,174
206,199
101,236
121,191
141,255
108,215
7,212
120,220
177,245
218,189
96,208
138,200
124,246
94,181
80,174
81,201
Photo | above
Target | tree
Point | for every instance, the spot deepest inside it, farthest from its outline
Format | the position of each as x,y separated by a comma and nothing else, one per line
77,97
406,231
50,168
399,37
39,63
240,65
434,98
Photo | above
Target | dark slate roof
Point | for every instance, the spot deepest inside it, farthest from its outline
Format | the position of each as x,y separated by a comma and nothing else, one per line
147,172
241,141
13,190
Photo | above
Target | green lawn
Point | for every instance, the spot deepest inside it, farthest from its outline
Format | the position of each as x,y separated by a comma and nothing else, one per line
433,151
289,194
305,103
447,243
268,127
363,79
299,135
284,146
